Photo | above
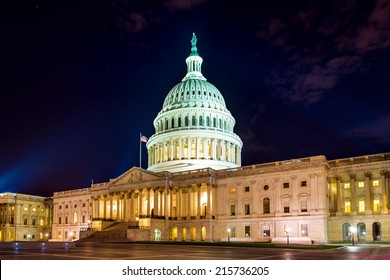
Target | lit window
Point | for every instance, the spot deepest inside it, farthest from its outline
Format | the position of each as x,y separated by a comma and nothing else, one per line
377,205
361,184
41,210
25,208
347,206
375,183
41,222
347,185
59,234
361,206
233,232
232,190
34,209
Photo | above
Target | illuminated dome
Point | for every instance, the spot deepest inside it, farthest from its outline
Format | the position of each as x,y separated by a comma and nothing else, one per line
194,129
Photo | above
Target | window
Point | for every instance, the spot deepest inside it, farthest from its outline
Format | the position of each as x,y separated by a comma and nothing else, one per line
266,187
75,206
266,209
33,222
303,183
362,206
25,221
83,219
304,205
66,234
25,208
286,185
232,190
66,206
59,220
377,205
375,183
66,220
347,206
247,209
41,222
232,210
233,232
361,184
84,204
247,189
347,185
304,230
41,210
34,209
247,231
266,230
286,209
60,207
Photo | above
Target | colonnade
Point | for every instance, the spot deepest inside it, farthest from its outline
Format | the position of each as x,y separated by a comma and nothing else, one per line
369,194
194,148
184,202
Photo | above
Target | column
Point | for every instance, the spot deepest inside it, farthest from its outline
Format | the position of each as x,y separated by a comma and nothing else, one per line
189,202
132,211
208,208
155,206
180,148
367,185
277,196
294,206
125,217
140,203
384,175
148,206
166,203
161,208
105,207
118,212
198,208
179,198
111,208
171,201
353,193
339,196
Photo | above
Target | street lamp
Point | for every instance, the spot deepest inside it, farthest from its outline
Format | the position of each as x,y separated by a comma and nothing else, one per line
228,232
287,233
71,235
353,230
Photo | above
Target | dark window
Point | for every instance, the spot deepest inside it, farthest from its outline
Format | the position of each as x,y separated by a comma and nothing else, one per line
232,210
83,204
266,232
59,220
266,209
266,187
303,184
286,209
247,231
33,222
66,220
247,209
286,185
247,189
25,221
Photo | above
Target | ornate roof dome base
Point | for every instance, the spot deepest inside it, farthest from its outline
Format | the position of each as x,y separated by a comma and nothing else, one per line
190,164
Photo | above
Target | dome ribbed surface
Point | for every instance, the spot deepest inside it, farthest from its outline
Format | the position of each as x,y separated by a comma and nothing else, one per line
194,93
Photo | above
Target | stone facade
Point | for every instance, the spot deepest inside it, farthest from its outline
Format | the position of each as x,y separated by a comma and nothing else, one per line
25,217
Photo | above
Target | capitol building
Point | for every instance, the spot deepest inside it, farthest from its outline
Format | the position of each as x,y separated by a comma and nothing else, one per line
195,188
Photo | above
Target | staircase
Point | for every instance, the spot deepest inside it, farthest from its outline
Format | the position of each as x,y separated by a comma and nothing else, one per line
115,233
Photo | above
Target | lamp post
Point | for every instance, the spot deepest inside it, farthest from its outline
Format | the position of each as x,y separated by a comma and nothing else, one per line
71,235
287,232
228,233
353,230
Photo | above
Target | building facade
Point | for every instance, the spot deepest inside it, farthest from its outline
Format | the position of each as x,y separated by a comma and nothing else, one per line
25,217
195,188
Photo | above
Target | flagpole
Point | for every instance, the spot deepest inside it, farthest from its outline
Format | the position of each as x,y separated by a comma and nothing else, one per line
140,135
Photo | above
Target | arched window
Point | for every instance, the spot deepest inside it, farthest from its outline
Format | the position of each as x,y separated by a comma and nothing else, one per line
201,120
208,121
179,122
186,121
193,121
214,122
346,232
376,231
172,123
361,231
266,209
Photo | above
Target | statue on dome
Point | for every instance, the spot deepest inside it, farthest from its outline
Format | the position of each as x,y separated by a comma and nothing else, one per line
194,49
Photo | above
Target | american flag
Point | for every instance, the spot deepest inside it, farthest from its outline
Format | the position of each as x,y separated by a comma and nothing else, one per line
144,139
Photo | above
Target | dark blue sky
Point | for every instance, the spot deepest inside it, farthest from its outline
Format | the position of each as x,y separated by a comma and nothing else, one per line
81,79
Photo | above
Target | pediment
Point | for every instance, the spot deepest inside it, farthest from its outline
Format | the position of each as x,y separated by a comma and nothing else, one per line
135,175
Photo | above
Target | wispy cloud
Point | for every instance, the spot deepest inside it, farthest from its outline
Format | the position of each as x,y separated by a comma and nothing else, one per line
322,48
180,5
376,130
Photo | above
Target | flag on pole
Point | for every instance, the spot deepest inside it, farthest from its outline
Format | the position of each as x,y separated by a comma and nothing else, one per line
144,139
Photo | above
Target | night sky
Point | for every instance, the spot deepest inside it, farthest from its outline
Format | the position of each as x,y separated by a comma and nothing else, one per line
81,79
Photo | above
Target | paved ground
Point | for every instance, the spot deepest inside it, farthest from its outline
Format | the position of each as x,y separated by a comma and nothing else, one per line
131,251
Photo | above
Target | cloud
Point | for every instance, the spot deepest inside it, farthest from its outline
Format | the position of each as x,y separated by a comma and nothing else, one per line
132,22
322,48
253,144
180,5
376,130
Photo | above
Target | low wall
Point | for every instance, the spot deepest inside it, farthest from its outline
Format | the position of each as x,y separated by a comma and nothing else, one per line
38,244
